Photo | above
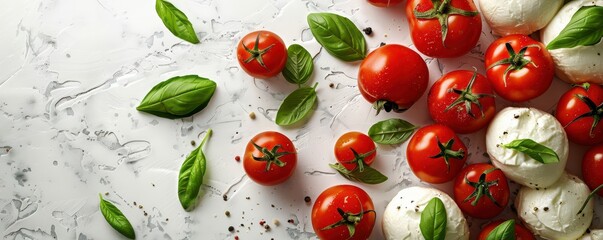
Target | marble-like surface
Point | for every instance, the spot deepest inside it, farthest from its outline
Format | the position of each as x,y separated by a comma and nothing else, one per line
73,72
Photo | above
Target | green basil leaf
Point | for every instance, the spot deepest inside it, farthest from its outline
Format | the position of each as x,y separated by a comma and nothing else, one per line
296,106
433,220
504,231
391,131
176,21
299,65
338,35
369,175
191,175
178,97
116,218
584,29
534,150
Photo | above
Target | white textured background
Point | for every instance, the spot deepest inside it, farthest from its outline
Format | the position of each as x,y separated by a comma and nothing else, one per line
73,71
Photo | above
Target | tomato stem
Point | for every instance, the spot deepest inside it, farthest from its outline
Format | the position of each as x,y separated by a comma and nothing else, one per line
596,112
590,196
482,187
467,97
387,106
256,53
446,152
349,219
270,156
441,11
359,159
516,61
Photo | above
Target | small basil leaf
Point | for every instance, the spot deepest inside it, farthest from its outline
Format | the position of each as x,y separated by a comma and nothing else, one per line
299,65
584,29
338,35
391,131
296,106
504,231
191,175
116,218
369,175
433,220
176,21
178,97
534,150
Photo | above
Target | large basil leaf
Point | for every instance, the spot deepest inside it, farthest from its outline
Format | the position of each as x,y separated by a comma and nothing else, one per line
504,231
116,218
534,150
176,21
584,29
369,175
299,65
391,131
433,220
191,175
338,35
296,106
178,97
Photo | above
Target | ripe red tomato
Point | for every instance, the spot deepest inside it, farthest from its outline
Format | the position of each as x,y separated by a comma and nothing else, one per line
262,54
592,168
355,149
521,233
384,3
519,67
392,82
341,208
270,158
481,190
579,111
436,154
462,100
443,28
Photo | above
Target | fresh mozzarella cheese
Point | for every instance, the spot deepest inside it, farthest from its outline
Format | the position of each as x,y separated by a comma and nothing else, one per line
578,64
526,123
507,17
593,235
552,212
403,215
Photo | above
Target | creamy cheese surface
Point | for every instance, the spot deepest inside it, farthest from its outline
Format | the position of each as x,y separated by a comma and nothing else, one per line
403,214
593,235
526,123
578,64
507,17
552,212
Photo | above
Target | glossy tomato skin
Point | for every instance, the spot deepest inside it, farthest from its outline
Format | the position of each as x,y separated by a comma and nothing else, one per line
571,107
360,142
274,58
521,233
350,199
384,3
485,207
393,73
256,170
463,31
441,96
423,146
527,83
592,167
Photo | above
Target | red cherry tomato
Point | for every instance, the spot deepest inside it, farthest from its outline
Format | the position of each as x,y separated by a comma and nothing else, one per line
384,3
353,149
592,168
481,190
262,54
579,111
462,31
270,158
393,77
521,233
519,67
342,207
462,100
436,154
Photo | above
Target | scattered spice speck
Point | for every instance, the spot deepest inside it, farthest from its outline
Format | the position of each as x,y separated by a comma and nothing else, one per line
237,158
225,197
331,85
252,115
193,143
368,31
231,229
307,199
227,213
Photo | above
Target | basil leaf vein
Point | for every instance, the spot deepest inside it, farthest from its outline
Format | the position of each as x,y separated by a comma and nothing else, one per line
391,131
191,175
338,35
434,220
296,106
176,21
536,151
178,97
584,29
299,66
369,175
504,231
116,218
